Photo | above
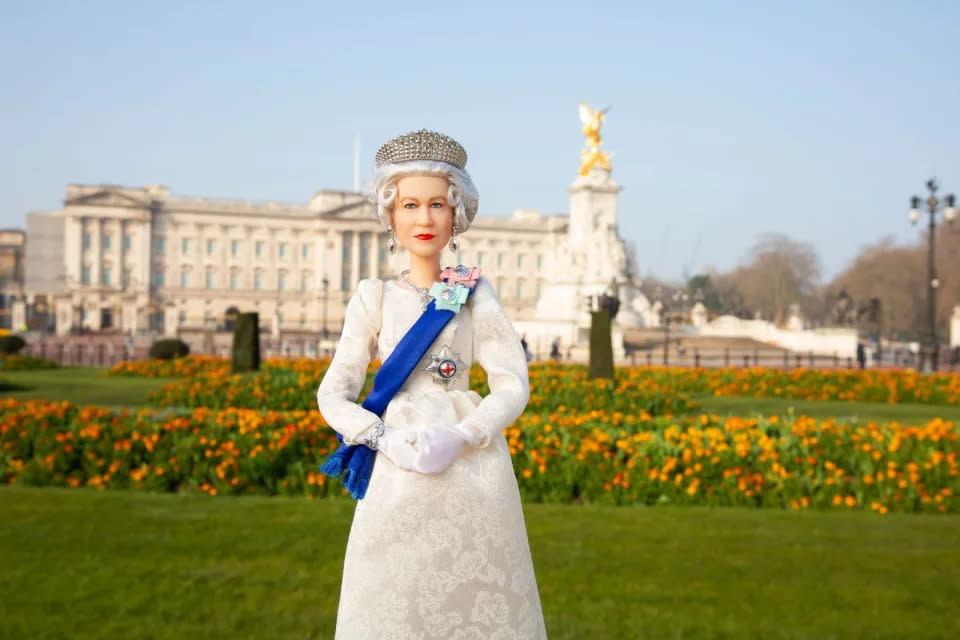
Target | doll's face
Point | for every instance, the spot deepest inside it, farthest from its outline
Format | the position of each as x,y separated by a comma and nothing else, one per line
422,216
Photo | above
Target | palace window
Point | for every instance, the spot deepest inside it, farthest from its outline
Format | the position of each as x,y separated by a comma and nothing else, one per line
184,278
347,263
282,249
539,262
127,242
234,280
211,247
520,260
282,281
234,248
259,248
159,279
365,254
126,278
305,282
107,241
479,258
160,245
85,275
305,251
185,246
209,279
258,280
106,276
499,259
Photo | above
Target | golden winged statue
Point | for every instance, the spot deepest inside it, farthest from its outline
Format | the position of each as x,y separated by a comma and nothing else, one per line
591,156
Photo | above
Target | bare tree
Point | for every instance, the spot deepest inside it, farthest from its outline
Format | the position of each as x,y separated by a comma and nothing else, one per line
781,271
896,276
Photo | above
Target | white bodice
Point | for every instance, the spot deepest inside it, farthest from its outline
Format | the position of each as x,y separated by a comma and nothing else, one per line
378,315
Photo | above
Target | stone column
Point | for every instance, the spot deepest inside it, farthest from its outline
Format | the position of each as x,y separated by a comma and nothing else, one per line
73,249
373,252
96,251
355,261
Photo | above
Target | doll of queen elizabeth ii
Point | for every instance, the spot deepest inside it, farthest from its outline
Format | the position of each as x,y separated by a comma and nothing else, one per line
438,546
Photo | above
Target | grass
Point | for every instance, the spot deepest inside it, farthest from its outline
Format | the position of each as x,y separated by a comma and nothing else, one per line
86,564
917,413
82,385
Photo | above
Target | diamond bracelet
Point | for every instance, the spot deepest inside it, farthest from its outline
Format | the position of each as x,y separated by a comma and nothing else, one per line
373,435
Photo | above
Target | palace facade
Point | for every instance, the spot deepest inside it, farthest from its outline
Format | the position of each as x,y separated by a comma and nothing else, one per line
139,259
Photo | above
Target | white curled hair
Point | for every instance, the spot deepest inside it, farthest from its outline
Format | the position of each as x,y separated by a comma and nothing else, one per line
462,194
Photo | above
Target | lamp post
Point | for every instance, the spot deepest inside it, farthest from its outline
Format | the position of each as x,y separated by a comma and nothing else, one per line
949,214
670,302
325,286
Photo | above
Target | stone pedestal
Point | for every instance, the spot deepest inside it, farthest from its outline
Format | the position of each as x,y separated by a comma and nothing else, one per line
275,324
698,315
955,327
170,321
18,316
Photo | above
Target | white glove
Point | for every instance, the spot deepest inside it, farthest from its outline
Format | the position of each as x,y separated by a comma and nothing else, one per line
439,447
397,445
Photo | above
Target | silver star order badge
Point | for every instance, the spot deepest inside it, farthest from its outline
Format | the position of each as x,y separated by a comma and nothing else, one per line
445,365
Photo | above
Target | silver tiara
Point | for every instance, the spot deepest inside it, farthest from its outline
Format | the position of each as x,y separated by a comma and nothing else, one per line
422,145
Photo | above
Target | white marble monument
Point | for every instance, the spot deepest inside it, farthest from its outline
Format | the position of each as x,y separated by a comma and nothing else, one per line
589,261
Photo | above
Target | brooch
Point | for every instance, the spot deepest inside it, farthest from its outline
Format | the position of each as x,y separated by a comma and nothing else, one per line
444,366
461,274
449,296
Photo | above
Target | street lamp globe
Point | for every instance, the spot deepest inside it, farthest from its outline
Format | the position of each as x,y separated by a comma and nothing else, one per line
914,209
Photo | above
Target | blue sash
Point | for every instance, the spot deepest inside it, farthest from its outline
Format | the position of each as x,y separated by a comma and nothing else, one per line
355,462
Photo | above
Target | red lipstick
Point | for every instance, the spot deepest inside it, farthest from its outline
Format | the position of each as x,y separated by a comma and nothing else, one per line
424,236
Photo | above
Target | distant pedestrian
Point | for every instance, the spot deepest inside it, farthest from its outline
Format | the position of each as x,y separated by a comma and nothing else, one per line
555,349
861,354
526,349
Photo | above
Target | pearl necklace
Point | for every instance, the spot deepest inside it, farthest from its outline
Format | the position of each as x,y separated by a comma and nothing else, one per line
424,293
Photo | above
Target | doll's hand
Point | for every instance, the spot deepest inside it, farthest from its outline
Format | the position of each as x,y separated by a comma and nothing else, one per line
439,447
397,445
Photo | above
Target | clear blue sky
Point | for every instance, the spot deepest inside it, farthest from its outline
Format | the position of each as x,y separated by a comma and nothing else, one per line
814,119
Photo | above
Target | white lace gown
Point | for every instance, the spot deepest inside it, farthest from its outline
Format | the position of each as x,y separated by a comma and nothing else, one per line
444,555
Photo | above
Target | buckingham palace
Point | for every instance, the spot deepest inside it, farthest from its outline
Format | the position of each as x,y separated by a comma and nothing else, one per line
139,259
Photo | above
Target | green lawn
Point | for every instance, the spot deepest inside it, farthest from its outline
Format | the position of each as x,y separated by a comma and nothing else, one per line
826,408
85,564
82,385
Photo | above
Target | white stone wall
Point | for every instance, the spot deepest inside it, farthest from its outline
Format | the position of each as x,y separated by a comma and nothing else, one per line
167,258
